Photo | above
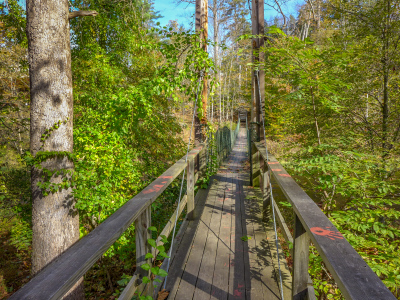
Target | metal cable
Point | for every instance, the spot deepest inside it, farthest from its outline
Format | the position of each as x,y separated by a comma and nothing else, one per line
270,188
183,176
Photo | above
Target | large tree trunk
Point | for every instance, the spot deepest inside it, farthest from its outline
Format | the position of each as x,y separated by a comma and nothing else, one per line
216,50
201,25
54,218
258,80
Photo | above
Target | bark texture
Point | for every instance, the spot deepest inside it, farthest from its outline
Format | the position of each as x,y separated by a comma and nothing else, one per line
54,218
258,78
201,24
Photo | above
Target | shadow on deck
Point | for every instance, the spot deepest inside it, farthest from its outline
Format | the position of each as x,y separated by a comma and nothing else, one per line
227,251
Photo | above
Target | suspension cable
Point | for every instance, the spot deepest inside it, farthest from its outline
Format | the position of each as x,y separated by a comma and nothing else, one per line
270,187
183,175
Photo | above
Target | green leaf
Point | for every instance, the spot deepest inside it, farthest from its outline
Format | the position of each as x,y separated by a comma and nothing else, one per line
146,279
162,273
164,239
145,267
161,248
245,238
152,243
152,228
155,270
163,254
149,255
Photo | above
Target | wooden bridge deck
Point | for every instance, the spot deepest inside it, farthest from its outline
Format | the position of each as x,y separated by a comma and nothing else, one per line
210,259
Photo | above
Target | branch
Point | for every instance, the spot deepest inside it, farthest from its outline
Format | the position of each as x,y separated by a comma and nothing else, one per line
82,13
279,10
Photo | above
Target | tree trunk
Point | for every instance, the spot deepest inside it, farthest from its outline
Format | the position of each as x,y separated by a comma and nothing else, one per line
204,27
216,35
54,218
385,104
220,96
201,25
216,48
257,21
315,116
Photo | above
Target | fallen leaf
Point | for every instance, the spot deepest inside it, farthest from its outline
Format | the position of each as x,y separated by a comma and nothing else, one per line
163,294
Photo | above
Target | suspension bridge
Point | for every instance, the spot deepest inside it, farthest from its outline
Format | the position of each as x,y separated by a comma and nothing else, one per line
227,246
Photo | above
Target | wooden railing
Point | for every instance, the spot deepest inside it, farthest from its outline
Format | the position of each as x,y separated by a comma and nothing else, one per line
353,276
56,279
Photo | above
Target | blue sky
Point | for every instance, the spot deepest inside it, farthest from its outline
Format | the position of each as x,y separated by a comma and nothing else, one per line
183,12
170,11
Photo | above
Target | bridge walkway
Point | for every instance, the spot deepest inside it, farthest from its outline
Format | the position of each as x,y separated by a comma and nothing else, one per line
227,251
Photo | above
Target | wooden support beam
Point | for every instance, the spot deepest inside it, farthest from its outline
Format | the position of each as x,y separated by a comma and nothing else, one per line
301,247
265,185
190,190
142,234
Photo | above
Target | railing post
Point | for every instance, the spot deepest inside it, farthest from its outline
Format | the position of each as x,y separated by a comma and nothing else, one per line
301,246
265,185
255,166
251,162
190,189
142,233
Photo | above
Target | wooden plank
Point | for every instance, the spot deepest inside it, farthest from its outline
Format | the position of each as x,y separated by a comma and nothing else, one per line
58,277
354,277
239,271
235,258
183,251
237,265
219,289
208,237
251,210
246,250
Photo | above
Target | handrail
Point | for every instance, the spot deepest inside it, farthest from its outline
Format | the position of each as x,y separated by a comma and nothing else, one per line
355,278
59,277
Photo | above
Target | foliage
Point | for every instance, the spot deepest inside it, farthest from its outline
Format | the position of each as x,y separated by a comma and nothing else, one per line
340,145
